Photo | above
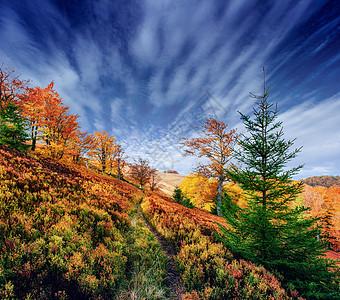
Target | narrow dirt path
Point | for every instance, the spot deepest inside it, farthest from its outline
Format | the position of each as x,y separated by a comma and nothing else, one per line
172,280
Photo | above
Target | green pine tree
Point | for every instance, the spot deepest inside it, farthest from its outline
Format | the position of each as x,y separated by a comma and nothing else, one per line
177,196
272,230
13,127
181,198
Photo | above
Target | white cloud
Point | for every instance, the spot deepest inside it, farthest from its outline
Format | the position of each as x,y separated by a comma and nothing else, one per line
316,127
179,51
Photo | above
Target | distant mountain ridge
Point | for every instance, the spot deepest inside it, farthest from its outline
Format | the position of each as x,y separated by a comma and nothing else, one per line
326,181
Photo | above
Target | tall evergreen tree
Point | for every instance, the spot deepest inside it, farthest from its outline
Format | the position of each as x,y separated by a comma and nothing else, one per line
12,126
271,229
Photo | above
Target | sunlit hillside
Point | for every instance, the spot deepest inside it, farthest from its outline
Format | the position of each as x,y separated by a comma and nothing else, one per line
68,232
168,182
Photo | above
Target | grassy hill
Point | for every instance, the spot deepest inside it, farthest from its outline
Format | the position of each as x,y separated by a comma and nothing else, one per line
67,232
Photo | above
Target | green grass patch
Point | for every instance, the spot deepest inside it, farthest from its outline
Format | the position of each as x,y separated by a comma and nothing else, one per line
146,266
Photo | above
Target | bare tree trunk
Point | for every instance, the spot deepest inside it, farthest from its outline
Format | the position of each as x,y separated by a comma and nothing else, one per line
219,195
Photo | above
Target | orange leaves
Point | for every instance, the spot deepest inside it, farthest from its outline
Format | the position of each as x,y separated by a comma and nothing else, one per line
50,119
102,148
216,145
11,86
325,203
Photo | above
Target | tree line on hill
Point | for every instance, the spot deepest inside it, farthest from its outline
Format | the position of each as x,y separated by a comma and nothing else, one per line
326,181
36,119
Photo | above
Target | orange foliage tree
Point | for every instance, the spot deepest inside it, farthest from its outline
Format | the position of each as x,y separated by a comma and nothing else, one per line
11,85
60,126
216,145
80,144
33,109
48,115
102,148
324,203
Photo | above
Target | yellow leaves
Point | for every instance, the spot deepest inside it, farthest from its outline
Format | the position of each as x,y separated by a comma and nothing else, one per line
236,193
102,148
201,190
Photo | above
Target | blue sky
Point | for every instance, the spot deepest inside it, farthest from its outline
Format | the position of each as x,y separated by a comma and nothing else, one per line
148,71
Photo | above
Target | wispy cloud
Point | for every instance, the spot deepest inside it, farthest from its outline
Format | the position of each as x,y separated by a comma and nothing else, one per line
136,69
317,129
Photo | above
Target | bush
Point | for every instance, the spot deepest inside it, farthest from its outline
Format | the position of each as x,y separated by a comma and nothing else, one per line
62,229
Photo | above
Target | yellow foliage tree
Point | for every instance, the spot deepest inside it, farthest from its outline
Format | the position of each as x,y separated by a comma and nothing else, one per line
201,190
235,193
103,146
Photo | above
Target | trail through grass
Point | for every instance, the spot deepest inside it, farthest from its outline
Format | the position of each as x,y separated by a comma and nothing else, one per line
173,281
151,268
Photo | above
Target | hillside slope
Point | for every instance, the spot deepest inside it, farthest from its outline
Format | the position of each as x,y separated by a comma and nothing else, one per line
67,232
326,181
168,182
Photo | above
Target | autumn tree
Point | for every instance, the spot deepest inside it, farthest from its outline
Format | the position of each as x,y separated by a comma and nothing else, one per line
11,85
216,144
80,144
50,119
59,125
141,171
201,190
270,231
315,199
33,105
102,148
324,204
119,160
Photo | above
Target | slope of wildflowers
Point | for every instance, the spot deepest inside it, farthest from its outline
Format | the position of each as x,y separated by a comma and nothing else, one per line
208,270
66,233
62,229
